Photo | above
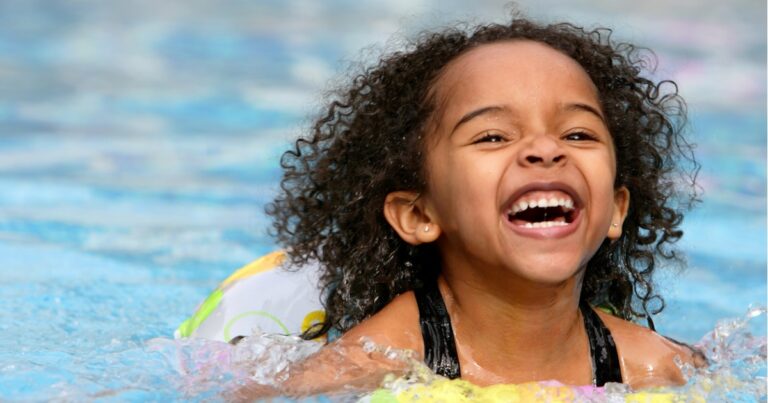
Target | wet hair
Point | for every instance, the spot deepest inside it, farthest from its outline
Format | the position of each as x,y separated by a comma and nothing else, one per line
371,140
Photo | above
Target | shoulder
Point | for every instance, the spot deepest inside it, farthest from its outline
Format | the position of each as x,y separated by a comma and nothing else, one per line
647,358
347,363
396,325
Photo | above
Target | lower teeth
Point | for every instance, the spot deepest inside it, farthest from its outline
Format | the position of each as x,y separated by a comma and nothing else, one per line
545,224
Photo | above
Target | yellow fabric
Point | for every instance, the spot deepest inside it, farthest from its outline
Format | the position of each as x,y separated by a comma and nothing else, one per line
262,264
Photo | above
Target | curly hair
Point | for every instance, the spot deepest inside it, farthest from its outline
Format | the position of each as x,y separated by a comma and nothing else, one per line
371,141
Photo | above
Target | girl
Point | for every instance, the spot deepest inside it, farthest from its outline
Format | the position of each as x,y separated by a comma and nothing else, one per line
476,196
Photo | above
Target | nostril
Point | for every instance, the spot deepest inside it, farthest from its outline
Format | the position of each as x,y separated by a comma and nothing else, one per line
533,159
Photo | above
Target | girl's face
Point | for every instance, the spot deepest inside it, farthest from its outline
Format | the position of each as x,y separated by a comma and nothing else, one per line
521,165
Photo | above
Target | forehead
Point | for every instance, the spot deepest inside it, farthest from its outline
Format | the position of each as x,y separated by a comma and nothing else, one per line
516,71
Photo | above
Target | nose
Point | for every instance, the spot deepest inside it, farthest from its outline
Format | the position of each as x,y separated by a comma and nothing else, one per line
542,150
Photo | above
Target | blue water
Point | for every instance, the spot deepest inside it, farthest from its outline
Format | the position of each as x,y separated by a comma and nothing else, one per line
139,142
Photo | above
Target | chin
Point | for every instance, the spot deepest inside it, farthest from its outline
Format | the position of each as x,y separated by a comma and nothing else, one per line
550,278
550,271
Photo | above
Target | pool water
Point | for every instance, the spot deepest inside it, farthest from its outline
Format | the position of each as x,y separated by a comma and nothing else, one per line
139,142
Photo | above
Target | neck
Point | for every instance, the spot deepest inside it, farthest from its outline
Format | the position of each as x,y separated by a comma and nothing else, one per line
522,329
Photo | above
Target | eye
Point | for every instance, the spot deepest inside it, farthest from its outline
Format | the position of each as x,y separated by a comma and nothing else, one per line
579,136
490,137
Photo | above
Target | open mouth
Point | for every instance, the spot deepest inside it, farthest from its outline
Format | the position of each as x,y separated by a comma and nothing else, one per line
543,211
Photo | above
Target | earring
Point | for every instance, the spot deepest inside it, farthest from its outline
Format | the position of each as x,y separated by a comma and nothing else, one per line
614,225
426,228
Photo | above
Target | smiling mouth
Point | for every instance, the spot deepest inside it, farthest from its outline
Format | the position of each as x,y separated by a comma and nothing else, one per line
539,211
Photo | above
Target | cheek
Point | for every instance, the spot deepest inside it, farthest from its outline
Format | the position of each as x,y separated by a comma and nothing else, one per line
603,167
604,195
461,191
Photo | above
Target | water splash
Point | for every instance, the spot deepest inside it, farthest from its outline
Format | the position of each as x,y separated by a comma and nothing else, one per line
207,370
210,368
736,371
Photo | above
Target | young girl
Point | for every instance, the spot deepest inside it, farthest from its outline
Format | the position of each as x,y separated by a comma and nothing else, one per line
497,200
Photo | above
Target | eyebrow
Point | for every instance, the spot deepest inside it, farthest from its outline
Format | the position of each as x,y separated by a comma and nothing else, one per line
586,108
477,112
576,107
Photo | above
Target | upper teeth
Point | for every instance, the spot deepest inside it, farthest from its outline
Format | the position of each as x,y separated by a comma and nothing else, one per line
523,205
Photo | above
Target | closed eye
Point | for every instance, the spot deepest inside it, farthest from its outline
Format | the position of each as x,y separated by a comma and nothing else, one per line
580,136
490,138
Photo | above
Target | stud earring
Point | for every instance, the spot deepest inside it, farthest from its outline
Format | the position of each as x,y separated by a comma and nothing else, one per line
426,228
614,225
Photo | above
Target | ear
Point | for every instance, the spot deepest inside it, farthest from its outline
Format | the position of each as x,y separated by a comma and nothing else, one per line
404,210
620,208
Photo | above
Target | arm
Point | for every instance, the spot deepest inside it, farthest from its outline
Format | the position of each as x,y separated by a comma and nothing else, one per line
342,366
359,360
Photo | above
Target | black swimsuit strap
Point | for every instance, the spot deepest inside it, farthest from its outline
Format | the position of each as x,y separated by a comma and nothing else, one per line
605,359
440,346
436,330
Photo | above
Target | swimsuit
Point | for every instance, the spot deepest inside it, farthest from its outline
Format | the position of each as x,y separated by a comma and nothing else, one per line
440,346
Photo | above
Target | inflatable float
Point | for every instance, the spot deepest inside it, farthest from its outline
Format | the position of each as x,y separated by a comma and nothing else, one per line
260,297
460,391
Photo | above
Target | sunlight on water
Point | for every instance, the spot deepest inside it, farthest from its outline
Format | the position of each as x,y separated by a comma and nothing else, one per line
202,370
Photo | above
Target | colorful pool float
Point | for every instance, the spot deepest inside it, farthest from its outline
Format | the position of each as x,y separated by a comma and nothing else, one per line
459,391
259,297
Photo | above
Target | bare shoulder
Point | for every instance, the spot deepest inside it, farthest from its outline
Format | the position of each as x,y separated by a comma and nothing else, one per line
346,364
396,325
647,358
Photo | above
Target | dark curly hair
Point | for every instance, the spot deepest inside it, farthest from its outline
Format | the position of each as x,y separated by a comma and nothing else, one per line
371,141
